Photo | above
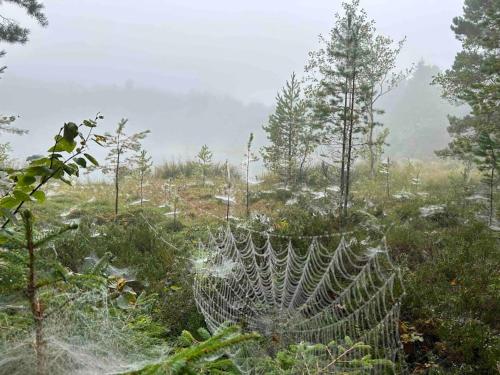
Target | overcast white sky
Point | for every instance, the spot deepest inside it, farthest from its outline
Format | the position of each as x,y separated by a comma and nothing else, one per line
246,49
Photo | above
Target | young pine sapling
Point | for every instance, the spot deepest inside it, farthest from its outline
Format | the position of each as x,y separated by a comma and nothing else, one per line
249,158
120,144
143,163
204,160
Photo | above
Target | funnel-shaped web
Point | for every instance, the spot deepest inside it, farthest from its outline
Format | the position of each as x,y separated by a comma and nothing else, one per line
291,295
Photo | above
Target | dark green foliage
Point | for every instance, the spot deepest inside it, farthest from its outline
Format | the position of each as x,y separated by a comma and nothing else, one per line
452,296
11,31
338,90
346,357
202,357
487,159
290,135
473,78
137,250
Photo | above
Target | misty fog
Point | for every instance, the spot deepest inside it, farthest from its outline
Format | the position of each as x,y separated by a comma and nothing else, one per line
195,72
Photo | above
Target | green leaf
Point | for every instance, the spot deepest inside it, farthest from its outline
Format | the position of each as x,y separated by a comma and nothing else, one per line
91,159
41,161
34,157
63,144
81,162
21,195
39,170
71,169
70,131
39,196
66,181
89,123
26,180
6,236
9,202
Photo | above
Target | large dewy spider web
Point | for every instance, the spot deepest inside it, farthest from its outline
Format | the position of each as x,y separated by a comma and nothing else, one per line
291,295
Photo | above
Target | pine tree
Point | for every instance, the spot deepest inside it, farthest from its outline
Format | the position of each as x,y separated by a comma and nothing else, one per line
120,144
473,78
379,78
204,160
143,163
336,74
12,32
287,131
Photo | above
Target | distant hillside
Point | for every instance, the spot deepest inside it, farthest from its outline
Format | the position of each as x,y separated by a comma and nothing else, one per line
180,123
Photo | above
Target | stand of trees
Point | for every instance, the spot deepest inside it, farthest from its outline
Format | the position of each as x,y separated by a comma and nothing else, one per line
474,80
353,68
289,133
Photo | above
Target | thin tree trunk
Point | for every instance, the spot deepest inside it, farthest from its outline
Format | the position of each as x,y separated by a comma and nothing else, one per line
370,142
342,163
387,179
289,166
349,149
142,181
36,307
492,180
248,189
117,177
228,190
301,168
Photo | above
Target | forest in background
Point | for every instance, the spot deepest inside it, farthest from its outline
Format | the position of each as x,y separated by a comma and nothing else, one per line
415,114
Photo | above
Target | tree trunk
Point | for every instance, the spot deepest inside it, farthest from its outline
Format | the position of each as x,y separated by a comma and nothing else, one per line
301,168
387,179
370,141
248,189
342,163
142,181
289,166
492,183
117,177
175,209
35,305
349,146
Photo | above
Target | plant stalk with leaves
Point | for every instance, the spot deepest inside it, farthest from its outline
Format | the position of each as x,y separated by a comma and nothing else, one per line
65,158
250,157
204,159
120,144
143,163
